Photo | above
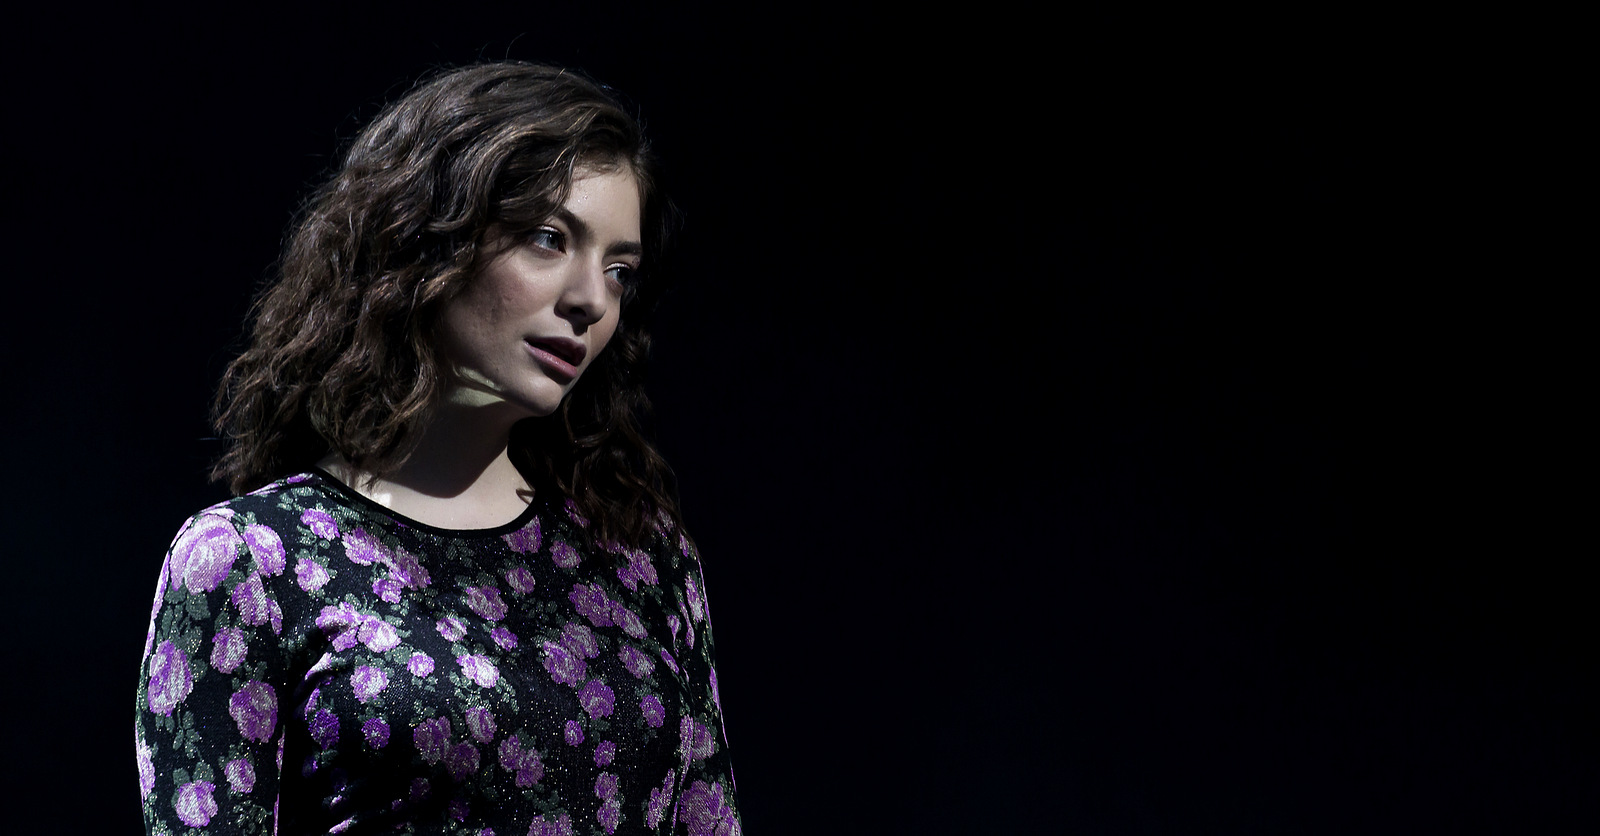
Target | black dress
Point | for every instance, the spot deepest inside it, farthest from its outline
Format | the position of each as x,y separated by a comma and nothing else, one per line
320,664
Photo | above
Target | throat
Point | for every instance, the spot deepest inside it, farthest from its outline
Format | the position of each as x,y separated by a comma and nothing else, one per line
441,492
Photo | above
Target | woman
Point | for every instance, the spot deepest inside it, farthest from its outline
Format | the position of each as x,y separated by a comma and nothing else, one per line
454,595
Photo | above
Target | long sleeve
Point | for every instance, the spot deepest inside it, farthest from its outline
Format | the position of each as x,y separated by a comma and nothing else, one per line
705,803
212,679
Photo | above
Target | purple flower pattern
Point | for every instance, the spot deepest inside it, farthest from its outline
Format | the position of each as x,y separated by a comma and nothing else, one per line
480,721
574,515
597,698
254,709
526,539
565,556
194,803
636,662
638,568
362,548
580,640
241,775
610,812
688,635
560,825
387,589
367,682
376,730
708,812
486,601
451,628
431,738
590,602
170,680
310,574
250,599
564,666
147,767
377,634
324,728
339,624
522,761
266,547
660,800
697,602
204,553
407,569
479,669
462,760
228,649
320,523
627,620
655,714
521,580
361,595
155,609
695,739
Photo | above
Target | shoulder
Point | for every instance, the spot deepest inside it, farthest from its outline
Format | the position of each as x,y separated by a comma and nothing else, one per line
668,541
255,524
670,548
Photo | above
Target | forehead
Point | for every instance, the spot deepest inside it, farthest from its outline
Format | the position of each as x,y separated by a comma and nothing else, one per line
609,198
616,169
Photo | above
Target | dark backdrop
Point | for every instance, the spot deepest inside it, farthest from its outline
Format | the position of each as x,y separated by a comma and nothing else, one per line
1088,429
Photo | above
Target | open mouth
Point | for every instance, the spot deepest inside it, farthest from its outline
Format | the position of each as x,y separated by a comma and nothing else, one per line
568,350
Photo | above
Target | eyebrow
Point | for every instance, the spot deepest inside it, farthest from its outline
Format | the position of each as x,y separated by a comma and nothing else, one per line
584,232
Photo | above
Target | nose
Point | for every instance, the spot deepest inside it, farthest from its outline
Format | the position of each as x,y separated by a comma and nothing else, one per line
584,298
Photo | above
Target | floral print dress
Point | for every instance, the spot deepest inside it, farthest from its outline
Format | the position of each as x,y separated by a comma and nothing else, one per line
318,664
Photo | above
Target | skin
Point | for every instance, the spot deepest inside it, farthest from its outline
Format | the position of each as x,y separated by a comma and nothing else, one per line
564,281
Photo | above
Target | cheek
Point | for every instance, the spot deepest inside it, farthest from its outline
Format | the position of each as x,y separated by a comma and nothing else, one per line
469,328
463,329
603,339
453,335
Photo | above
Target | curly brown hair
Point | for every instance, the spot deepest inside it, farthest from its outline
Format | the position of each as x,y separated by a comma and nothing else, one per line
343,355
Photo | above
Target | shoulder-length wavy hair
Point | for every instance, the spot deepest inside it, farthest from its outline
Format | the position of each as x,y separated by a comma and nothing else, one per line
343,354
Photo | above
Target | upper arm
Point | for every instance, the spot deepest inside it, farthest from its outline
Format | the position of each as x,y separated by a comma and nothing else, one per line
207,733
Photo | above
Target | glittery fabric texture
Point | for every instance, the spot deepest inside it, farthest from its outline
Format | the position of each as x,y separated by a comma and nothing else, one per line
316,664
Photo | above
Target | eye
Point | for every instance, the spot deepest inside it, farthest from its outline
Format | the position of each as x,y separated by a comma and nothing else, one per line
548,238
624,275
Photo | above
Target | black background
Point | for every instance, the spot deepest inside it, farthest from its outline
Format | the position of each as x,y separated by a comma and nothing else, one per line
1090,428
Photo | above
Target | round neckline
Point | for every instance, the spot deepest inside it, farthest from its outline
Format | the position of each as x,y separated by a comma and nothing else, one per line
370,505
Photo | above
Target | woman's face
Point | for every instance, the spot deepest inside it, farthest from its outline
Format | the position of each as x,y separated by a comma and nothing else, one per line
525,329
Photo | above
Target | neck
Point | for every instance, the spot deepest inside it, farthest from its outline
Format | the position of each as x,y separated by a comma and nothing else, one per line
459,475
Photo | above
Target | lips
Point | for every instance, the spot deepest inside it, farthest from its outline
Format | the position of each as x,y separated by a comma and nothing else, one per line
570,351
559,357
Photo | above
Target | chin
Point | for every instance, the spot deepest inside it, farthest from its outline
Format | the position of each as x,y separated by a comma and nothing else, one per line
543,404
539,400
543,411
